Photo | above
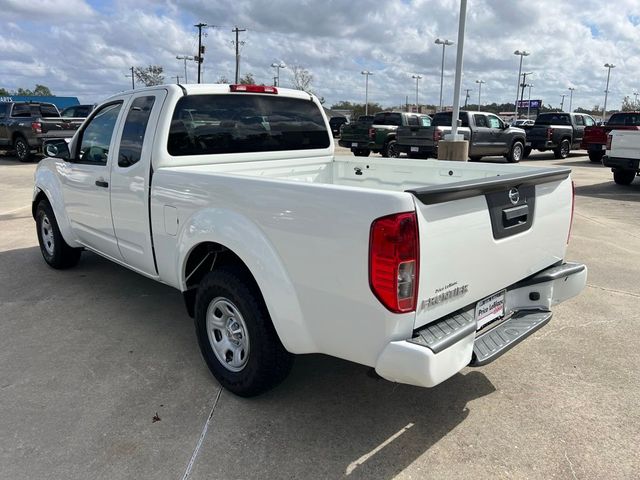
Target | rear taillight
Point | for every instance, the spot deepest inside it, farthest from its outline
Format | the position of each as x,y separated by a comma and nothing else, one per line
253,88
394,262
549,133
609,138
372,133
437,135
573,204
36,127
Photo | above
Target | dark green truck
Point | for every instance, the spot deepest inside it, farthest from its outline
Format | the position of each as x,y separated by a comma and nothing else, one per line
379,136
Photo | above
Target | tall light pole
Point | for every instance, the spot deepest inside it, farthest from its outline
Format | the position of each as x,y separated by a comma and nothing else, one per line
562,102
608,66
522,54
185,58
277,66
445,43
366,74
635,104
479,82
529,105
524,84
417,77
571,89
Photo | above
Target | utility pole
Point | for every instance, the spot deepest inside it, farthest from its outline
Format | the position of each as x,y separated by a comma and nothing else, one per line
522,54
562,102
479,82
237,32
406,103
185,58
366,74
417,78
199,58
177,78
608,66
571,89
523,84
635,105
133,79
466,99
529,106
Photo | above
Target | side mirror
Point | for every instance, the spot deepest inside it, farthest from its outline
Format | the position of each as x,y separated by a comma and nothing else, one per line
57,149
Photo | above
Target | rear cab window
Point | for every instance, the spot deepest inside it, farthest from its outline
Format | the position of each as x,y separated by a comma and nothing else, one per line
239,123
48,110
388,118
620,119
553,119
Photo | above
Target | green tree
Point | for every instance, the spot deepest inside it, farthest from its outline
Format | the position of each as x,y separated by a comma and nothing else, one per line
357,109
150,76
247,79
42,91
627,104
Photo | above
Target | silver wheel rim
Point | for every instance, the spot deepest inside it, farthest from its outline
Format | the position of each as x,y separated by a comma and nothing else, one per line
228,334
21,149
564,150
517,152
46,231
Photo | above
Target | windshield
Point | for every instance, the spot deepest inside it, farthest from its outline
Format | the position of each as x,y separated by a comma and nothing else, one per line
237,123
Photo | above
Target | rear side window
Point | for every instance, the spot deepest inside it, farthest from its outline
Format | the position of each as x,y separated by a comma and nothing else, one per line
3,109
135,127
48,110
579,120
443,119
481,120
239,123
413,120
21,110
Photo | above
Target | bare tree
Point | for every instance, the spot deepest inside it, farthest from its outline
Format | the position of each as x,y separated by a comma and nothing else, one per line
223,79
247,79
150,76
302,78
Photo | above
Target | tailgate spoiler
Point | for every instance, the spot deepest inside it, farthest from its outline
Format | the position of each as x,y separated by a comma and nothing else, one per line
481,186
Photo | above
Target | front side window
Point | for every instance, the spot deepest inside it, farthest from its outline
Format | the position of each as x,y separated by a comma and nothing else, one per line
588,121
135,126
494,122
413,120
481,120
579,120
240,123
96,137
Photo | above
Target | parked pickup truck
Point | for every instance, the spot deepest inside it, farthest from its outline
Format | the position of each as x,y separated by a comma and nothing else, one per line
24,126
487,135
594,139
232,194
623,155
557,131
379,136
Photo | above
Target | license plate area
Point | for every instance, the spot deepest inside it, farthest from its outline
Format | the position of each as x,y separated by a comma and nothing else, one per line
354,144
490,308
414,149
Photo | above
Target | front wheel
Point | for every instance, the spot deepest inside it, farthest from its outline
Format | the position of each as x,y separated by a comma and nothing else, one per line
55,251
596,155
563,149
235,333
516,152
391,150
624,177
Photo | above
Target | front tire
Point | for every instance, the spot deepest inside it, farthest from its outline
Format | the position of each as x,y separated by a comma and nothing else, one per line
516,153
55,251
236,336
391,149
596,156
624,177
563,149
22,149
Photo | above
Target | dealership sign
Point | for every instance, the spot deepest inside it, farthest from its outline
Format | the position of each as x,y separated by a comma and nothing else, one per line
529,103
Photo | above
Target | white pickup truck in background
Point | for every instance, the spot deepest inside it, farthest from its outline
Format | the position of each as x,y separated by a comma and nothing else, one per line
233,195
623,155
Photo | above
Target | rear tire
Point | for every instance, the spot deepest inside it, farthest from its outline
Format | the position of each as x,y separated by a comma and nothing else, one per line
563,149
22,149
516,152
236,336
624,177
391,149
361,152
475,158
596,156
526,152
55,251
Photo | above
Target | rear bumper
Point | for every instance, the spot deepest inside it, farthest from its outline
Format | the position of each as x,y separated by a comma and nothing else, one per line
416,149
441,349
541,144
621,163
355,144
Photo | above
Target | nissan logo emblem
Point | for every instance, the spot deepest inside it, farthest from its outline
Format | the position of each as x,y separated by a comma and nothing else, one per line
514,196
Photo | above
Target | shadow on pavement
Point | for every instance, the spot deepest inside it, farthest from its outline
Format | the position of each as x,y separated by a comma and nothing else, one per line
580,163
612,191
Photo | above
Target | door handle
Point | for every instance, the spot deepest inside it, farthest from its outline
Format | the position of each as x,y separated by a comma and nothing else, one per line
102,183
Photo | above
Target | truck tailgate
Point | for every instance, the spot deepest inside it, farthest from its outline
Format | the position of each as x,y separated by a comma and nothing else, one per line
478,237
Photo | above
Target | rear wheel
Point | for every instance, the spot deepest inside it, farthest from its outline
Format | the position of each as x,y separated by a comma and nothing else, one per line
563,149
624,177
391,149
235,333
596,155
23,151
55,251
516,152
361,152
526,152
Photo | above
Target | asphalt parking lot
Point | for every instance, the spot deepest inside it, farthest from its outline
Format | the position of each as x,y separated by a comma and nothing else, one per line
101,377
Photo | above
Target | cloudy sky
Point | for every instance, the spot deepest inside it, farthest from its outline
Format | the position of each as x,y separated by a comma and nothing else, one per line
84,48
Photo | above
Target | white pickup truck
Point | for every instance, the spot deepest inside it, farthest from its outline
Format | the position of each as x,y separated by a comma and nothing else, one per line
233,195
623,155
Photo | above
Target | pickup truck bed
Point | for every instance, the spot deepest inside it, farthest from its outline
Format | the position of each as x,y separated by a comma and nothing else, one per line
595,137
413,267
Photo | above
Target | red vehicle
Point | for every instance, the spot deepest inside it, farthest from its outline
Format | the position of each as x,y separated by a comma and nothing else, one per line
595,138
